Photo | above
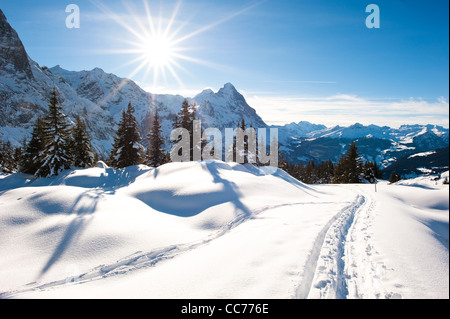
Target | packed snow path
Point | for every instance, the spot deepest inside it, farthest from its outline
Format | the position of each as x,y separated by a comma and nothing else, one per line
216,230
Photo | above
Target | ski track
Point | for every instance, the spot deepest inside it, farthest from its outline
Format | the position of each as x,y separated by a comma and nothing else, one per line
342,263
363,271
323,268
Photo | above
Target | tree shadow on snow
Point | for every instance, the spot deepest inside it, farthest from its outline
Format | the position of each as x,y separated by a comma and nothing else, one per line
83,207
192,204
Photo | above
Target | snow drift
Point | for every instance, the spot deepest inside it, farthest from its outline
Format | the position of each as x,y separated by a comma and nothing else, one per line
218,230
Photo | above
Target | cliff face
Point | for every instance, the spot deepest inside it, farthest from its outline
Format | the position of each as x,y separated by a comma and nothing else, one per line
12,52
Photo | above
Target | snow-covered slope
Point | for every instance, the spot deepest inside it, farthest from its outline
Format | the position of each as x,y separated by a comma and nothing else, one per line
218,230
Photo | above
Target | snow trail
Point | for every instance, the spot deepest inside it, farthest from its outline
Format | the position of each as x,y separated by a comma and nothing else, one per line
325,269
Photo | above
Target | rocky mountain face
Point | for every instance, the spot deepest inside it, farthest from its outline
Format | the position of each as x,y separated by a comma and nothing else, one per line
13,56
99,98
226,108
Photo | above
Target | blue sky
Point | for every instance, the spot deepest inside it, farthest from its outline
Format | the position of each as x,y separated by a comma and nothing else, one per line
292,60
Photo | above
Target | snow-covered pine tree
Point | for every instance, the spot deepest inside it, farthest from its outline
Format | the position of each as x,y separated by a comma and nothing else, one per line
81,148
127,150
372,171
55,154
155,153
32,154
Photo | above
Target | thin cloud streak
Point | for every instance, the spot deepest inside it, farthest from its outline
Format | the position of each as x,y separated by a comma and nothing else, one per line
348,109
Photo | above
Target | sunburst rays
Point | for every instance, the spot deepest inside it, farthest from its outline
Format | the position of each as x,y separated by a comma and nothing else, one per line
157,44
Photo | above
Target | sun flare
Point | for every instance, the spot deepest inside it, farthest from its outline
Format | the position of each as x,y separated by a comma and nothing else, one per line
154,41
158,51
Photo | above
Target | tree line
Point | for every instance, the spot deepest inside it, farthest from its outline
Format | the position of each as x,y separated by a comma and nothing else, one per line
349,169
56,145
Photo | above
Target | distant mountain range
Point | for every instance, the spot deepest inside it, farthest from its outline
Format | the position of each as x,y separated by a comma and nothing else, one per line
99,98
383,145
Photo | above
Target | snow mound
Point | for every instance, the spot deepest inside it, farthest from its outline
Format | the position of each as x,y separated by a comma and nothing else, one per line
96,216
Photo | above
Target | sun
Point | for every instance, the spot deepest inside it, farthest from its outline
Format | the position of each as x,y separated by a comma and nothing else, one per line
158,51
155,41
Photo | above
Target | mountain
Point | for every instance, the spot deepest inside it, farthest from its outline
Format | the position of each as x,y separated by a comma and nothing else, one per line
226,108
383,145
430,163
99,97
13,56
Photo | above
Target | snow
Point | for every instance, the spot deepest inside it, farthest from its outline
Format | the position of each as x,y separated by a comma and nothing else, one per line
423,154
219,230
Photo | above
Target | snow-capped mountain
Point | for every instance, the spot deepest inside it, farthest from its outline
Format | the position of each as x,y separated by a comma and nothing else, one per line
99,97
226,108
375,143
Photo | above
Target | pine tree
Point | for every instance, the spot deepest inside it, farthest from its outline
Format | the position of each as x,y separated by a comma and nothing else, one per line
81,148
55,154
394,178
185,119
349,168
282,163
354,164
155,153
243,153
127,150
7,161
372,172
311,173
325,172
32,157
185,116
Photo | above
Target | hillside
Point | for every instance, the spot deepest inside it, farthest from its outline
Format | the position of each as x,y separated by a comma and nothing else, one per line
432,162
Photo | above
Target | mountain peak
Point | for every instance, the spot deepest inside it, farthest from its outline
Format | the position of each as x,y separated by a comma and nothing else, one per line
207,92
12,51
98,71
228,88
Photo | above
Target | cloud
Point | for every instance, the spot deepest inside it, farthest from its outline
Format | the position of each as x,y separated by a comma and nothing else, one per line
346,109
